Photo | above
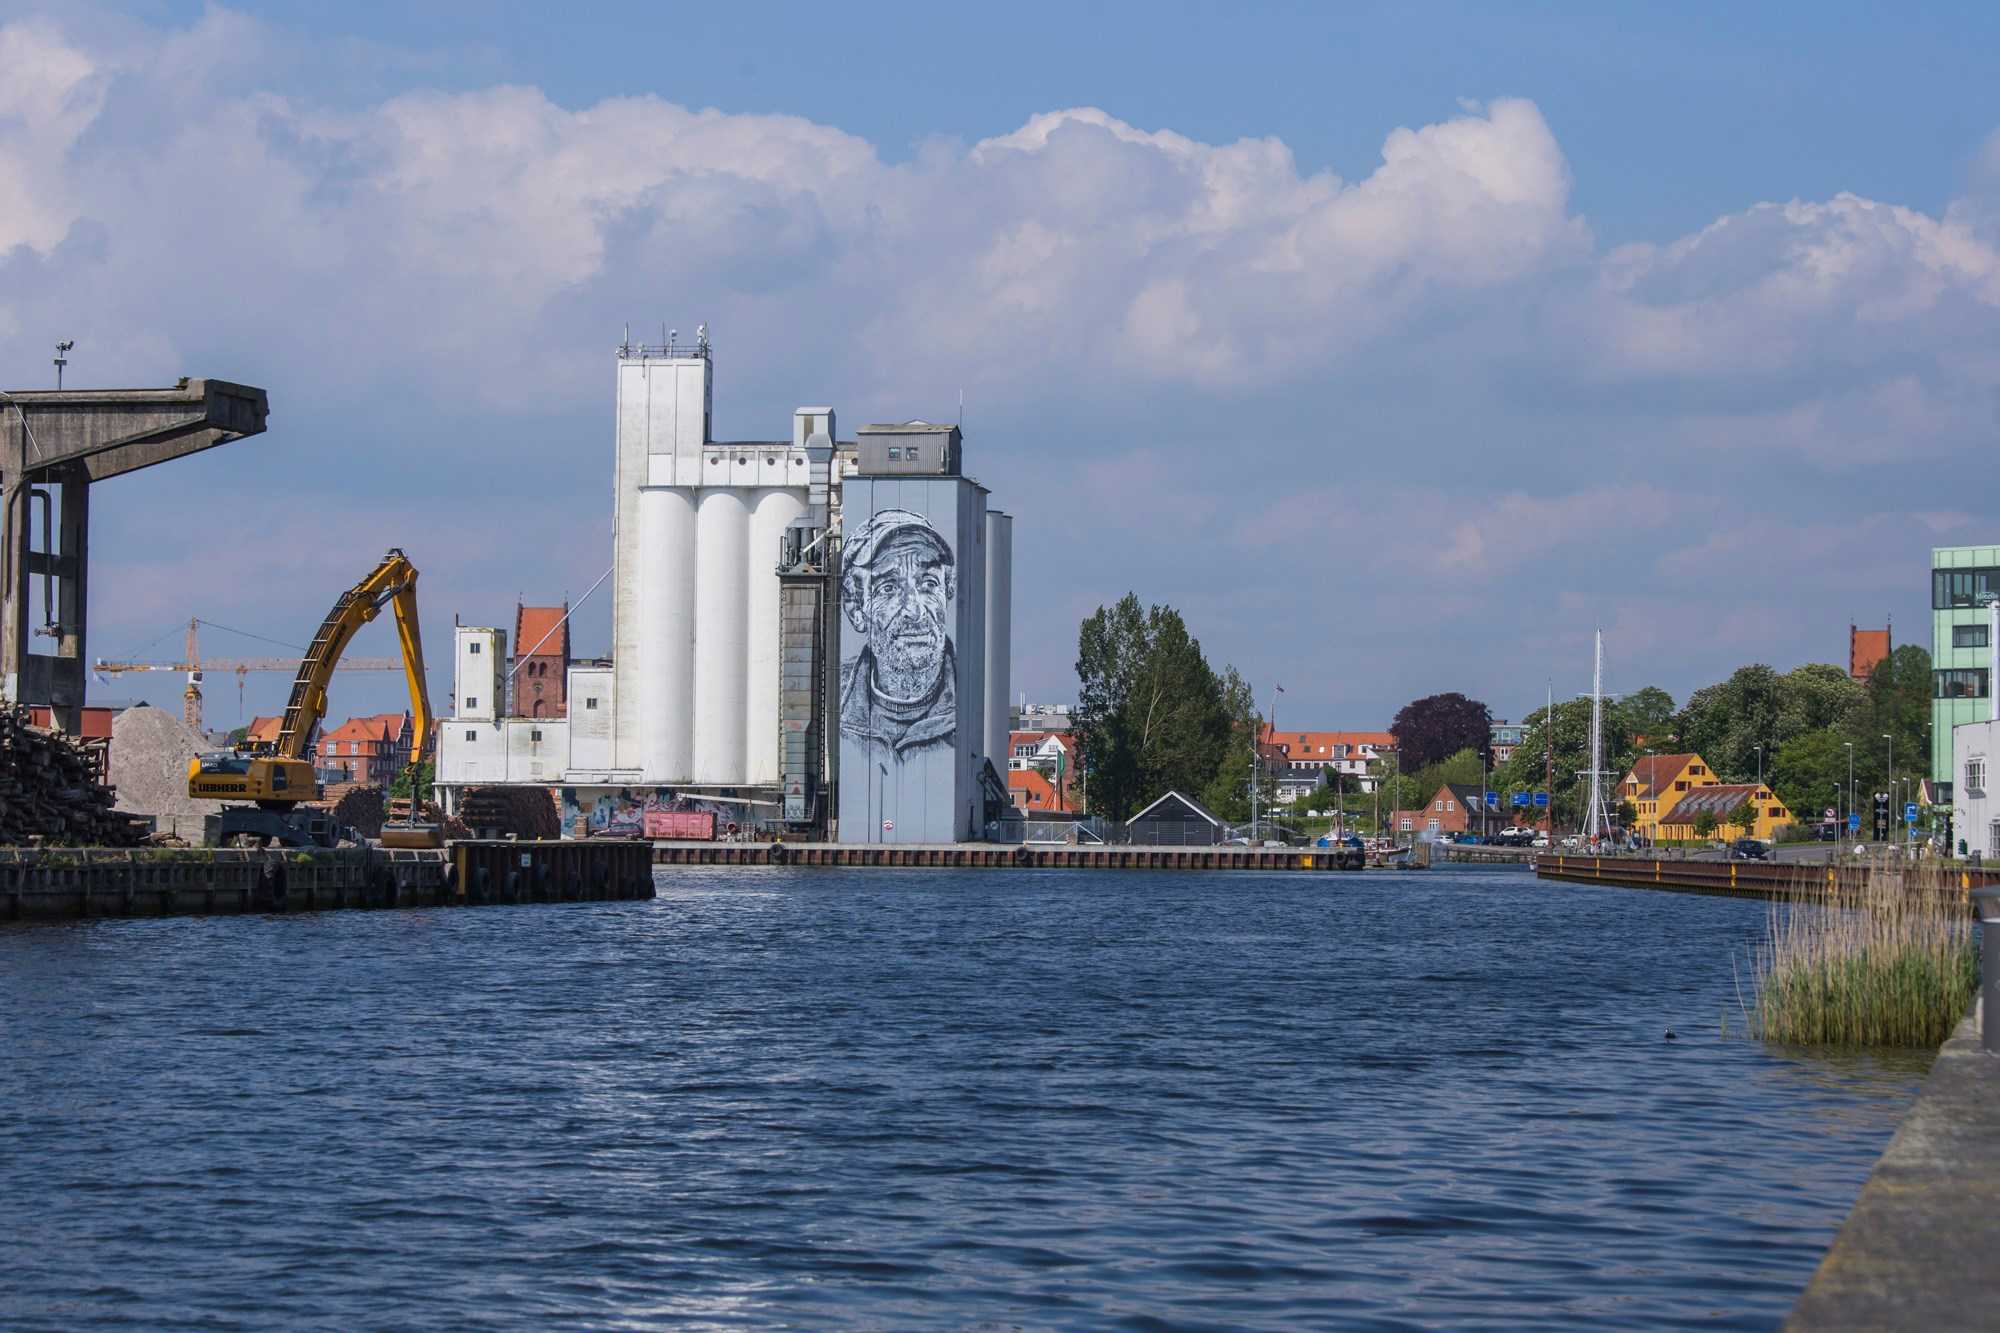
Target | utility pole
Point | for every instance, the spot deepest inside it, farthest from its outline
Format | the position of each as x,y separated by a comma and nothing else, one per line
1549,755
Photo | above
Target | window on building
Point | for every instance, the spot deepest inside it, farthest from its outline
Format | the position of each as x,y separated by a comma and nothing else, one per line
472,736
1962,587
1695,769
1960,684
589,701
895,453
1449,806
1993,839
1969,636
471,702
473,647
534,735
1777,812
1975,775
1680,786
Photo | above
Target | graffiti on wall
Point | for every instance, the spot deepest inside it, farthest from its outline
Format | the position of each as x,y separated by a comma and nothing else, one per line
899,583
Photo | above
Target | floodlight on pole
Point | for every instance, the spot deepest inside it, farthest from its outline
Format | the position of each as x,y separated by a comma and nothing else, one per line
62,358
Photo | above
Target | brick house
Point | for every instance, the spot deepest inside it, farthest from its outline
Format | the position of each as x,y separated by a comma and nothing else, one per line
1032,793
370,751
540,685
1299,758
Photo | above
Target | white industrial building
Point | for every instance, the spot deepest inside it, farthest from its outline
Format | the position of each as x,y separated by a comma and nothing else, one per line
689,707
1975,750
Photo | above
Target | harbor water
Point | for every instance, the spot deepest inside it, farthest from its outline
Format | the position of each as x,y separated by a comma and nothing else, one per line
904,1098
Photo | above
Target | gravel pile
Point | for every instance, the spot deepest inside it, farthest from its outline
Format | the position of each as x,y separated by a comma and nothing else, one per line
150,749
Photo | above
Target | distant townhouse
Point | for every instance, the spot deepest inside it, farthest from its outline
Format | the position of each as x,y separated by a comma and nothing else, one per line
1721,800
1033,794
370,751
1052,754
1656,785
1505,738
1300,758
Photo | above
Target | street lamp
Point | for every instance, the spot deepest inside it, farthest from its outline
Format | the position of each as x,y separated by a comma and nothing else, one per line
1760,764
1850,784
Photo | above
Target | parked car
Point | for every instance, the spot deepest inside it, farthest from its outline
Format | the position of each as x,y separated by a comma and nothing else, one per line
1748,849
1826,832
1539,840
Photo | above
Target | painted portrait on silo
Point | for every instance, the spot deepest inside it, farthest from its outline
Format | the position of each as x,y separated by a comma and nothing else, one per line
898,588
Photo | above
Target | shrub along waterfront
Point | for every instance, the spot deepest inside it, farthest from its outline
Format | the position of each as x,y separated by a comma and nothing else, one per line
1895,967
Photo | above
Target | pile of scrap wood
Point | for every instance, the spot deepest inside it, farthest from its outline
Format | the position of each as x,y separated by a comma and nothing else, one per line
523,812
51,790
361,809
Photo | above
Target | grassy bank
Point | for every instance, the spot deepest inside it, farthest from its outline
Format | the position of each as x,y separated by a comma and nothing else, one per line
1895,965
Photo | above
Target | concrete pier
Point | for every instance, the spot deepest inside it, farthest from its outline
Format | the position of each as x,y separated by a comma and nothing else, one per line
1739,879
1917,1251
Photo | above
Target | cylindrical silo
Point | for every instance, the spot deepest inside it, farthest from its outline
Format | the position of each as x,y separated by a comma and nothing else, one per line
999,632
721,647
772,510
665,580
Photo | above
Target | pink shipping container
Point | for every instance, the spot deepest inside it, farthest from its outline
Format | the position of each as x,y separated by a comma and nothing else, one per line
682,825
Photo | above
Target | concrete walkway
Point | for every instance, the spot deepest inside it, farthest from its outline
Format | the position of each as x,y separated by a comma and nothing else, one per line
1918,1251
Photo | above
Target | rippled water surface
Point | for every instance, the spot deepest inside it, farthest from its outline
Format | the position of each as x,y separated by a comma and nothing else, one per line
905,1097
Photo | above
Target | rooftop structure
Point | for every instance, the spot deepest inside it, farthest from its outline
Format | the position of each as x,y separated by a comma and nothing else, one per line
1866,650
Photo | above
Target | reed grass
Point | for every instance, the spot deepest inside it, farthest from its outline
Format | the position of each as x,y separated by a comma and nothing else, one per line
1890,963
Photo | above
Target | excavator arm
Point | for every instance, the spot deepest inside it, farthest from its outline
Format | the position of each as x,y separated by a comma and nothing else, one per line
391,583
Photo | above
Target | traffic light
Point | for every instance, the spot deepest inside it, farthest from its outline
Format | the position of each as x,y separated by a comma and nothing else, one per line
1881,816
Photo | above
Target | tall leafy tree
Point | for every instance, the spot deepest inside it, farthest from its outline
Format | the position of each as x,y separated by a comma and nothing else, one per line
1151,714
1432,729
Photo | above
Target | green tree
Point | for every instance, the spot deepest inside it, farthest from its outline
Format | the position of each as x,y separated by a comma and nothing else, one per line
422,778
1227,792
1810,773
1744,817
1647,712
1569,730
1151,714
1704,824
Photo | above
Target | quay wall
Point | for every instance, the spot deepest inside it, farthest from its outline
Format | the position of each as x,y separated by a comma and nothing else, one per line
54,884
1743,879
1916,1252
985,855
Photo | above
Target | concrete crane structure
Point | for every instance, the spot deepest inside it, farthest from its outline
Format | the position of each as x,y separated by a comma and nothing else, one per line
54,446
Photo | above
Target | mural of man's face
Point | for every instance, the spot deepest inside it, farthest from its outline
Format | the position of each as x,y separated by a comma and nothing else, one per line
907,607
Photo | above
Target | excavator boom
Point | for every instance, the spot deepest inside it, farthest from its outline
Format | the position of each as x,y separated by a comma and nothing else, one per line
392,583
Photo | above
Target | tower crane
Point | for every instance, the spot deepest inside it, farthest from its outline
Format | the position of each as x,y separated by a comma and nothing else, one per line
195,667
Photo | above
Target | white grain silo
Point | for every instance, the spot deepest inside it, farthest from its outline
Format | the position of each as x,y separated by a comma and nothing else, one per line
695,605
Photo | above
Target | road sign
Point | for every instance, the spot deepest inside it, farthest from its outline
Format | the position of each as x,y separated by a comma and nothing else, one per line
1520,798
1854,822
1492,800
1832,813
1541,798
1909,812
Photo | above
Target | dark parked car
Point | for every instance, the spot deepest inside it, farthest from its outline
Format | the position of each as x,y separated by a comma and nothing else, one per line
1827,832
1748,849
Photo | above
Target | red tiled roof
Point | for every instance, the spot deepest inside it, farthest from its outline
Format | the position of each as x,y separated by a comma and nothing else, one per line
373,727
264,728
1040,793
1319,744
535,624
1655,771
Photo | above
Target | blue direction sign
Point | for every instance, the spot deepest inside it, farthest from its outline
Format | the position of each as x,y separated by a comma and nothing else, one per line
1853,823
1541,798
1909,812
1520,798
1492,800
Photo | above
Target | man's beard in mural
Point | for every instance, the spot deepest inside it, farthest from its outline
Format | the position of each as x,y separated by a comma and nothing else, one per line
897,590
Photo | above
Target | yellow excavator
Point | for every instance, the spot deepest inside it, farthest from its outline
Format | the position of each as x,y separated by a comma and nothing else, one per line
276,776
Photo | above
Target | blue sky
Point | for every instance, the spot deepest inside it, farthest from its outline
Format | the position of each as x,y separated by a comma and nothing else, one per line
1680,319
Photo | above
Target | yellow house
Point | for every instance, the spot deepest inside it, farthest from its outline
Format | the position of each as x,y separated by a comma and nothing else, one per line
1719,800
1656,783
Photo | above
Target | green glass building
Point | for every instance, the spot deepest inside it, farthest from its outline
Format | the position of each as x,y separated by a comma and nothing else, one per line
1962,579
